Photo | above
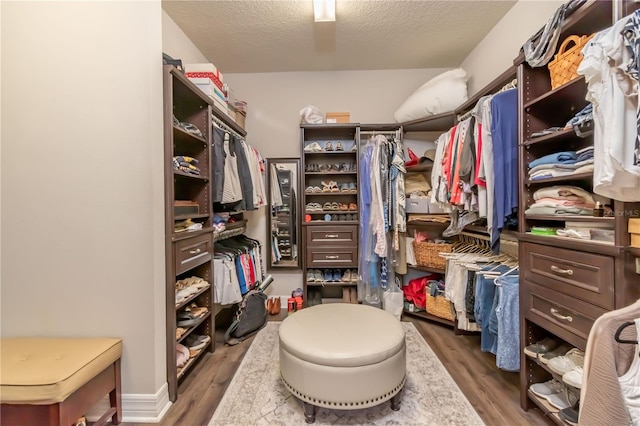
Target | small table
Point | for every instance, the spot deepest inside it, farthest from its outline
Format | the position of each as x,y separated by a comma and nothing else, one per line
342,356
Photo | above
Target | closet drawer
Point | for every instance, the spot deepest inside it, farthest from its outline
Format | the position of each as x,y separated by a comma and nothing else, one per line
332,235
192,252
567,317
587,276
330,257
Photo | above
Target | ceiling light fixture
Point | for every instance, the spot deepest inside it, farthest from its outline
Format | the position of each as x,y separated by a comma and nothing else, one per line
324,10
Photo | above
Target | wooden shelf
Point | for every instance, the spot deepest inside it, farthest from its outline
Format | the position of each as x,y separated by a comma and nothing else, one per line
635,251
494,86
549,410
420,168
568,178
330,222
589,246
427,269
329,193
184,136
330,173
561,136
349,152
434,123
331,283
177,236
178,173
190,216
563,218
192,361
425,315
191,298
560,104
330,211
193,327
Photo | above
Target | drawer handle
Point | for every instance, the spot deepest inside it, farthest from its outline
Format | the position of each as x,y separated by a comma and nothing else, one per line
557,270
557,314
331,235
332,257
196,251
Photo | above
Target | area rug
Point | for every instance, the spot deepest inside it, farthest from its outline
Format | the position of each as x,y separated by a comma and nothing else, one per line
256,396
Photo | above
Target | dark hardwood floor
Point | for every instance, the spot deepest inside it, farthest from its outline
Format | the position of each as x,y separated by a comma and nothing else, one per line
492,392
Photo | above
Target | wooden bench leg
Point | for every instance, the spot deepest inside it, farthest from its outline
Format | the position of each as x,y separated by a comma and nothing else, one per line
115,396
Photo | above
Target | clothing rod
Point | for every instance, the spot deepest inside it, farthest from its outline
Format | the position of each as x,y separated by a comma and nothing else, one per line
224,127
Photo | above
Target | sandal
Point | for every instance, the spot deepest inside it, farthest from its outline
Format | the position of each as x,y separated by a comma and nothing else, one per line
335,206
326,206
353,207
333,186
339,146
328,146
343,206
326,186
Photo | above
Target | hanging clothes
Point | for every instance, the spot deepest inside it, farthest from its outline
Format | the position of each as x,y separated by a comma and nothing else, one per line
601,400
614,95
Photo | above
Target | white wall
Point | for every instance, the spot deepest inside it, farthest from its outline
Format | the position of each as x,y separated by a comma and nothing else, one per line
82,178
176,44
496,52
273,120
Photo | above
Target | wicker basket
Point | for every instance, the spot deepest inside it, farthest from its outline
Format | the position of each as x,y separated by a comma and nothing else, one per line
439,307
428,254
564,66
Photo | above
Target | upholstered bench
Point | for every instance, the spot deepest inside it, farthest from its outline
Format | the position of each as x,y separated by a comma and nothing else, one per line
55,381
342,356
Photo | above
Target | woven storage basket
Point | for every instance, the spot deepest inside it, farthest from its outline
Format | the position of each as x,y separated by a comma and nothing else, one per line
564,66
428,254
439,307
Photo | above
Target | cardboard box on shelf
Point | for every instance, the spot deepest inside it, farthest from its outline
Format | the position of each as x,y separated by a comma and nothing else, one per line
338,117
205,71
634,230
240,118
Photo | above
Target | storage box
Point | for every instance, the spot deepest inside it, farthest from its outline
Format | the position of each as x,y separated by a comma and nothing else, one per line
338,117
205,71
634,230
240,118
417,205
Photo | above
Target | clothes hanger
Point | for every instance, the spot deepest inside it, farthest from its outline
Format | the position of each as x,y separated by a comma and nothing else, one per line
619,332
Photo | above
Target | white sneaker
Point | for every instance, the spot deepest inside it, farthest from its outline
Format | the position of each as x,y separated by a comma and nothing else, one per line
563,364
313,147
573,377
546,389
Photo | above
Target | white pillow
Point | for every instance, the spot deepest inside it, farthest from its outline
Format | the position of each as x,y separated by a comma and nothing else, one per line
443,93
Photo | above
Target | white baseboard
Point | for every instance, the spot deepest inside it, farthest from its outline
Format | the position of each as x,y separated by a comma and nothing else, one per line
137,408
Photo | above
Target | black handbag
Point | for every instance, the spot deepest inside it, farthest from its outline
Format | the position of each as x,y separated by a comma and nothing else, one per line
250,318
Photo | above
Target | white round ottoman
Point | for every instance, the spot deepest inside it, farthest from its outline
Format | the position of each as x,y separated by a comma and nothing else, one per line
342,356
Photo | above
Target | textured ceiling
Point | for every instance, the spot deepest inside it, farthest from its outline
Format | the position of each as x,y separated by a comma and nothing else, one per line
271,36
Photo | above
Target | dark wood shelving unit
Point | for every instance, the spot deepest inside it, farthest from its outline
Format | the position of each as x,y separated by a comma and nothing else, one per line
553,301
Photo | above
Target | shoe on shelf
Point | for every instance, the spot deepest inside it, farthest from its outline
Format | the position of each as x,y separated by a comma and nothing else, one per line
346,277
559,351
542,347
573,377
339,147
310,276
196,341
544,390
328,146
313,147
569,415
567,362
559,400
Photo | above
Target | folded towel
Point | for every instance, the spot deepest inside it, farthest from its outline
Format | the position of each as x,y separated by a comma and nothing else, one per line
566,157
